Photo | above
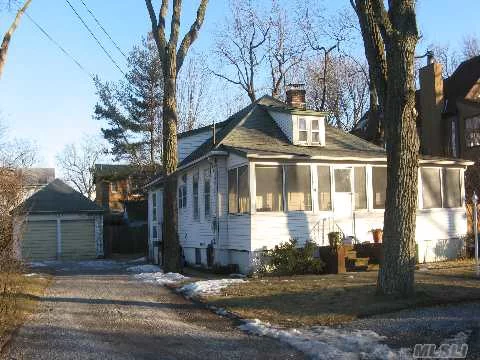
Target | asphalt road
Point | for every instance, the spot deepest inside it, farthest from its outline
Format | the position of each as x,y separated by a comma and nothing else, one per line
105,314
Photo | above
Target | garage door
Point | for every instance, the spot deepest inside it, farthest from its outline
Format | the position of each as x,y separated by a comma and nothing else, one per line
40,241
78,239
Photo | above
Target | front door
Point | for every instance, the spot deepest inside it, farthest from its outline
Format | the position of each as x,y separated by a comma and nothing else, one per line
343,199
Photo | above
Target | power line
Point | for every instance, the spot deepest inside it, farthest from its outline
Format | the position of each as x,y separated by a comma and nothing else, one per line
96,39
103,29
57,44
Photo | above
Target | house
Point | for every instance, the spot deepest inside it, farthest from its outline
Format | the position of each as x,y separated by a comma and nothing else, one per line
58,223
275,171
35,179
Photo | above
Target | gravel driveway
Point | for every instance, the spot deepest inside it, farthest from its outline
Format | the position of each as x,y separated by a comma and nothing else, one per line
102,313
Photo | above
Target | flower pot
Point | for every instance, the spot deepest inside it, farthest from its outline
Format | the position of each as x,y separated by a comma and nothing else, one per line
377,236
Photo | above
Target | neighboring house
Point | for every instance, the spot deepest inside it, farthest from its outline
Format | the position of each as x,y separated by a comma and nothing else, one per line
116,184
35,179
276,171
59,223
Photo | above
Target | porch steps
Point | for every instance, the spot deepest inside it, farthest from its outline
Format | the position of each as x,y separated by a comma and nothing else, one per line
354,263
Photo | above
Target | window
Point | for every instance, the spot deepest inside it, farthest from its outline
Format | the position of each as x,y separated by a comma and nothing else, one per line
198,256
269,183
238,190
343,181
182,193
431,192
154,216
360,188
451,188
472,131
379,184
302,130
315,132
196,210
298,188
114,187
324,188
206,192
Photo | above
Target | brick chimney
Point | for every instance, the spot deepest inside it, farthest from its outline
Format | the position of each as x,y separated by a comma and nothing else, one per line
431,106
296,96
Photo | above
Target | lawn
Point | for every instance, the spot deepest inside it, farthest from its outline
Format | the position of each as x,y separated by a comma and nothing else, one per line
18,299
333,299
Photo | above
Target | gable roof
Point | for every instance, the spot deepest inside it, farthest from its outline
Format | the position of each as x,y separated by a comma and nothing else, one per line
253,131
58,198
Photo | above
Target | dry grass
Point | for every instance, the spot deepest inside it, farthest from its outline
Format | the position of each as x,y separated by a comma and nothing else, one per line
334,299
18,299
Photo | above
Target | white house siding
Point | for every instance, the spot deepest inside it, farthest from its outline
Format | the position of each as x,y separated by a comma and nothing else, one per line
188,144
152,250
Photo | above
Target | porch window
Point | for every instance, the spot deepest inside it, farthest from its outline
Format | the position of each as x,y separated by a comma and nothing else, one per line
182,193
379,184
298,188
431,190
360,188
451,188
269,183
343,180
324,188
472,131
302,130
196,209
238,190
206,193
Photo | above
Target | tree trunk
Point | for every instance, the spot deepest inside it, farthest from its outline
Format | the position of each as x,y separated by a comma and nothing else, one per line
396,275
171,245
8,36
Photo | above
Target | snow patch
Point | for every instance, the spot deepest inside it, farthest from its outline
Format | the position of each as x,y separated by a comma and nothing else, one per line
148,268
207,287
30,275
139,260
160,278
325,343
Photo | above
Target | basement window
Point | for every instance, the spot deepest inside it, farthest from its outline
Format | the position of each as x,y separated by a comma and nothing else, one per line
324,188
238,191
379,184
298,188
269,184
452,197
431,189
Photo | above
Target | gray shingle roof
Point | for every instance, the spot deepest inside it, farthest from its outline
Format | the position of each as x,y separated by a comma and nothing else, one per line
59,198
253,130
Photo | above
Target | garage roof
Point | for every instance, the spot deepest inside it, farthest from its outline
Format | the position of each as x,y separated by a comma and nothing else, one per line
59,198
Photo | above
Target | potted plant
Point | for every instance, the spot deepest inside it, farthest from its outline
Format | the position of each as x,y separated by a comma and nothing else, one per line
335,239
377,235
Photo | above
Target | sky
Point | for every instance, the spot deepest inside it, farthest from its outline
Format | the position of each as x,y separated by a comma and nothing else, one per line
46,98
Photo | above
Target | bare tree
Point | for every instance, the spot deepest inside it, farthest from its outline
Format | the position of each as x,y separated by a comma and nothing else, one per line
390,37
448,57
172,60
240,46
8,35
471,47
285,48
77,163
192,88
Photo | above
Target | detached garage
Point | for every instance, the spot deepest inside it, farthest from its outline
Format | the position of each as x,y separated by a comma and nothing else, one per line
59,223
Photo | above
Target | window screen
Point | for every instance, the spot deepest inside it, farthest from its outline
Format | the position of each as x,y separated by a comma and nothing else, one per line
431,188
324,188
379,184
269,183
451,188
196,212
298,188
232,191
343,180
243,190
360,188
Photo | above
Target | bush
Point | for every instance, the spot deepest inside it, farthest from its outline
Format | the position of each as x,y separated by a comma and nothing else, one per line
289,259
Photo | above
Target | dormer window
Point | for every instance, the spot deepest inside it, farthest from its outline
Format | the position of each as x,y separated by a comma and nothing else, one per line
302,130
310,131
315,132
